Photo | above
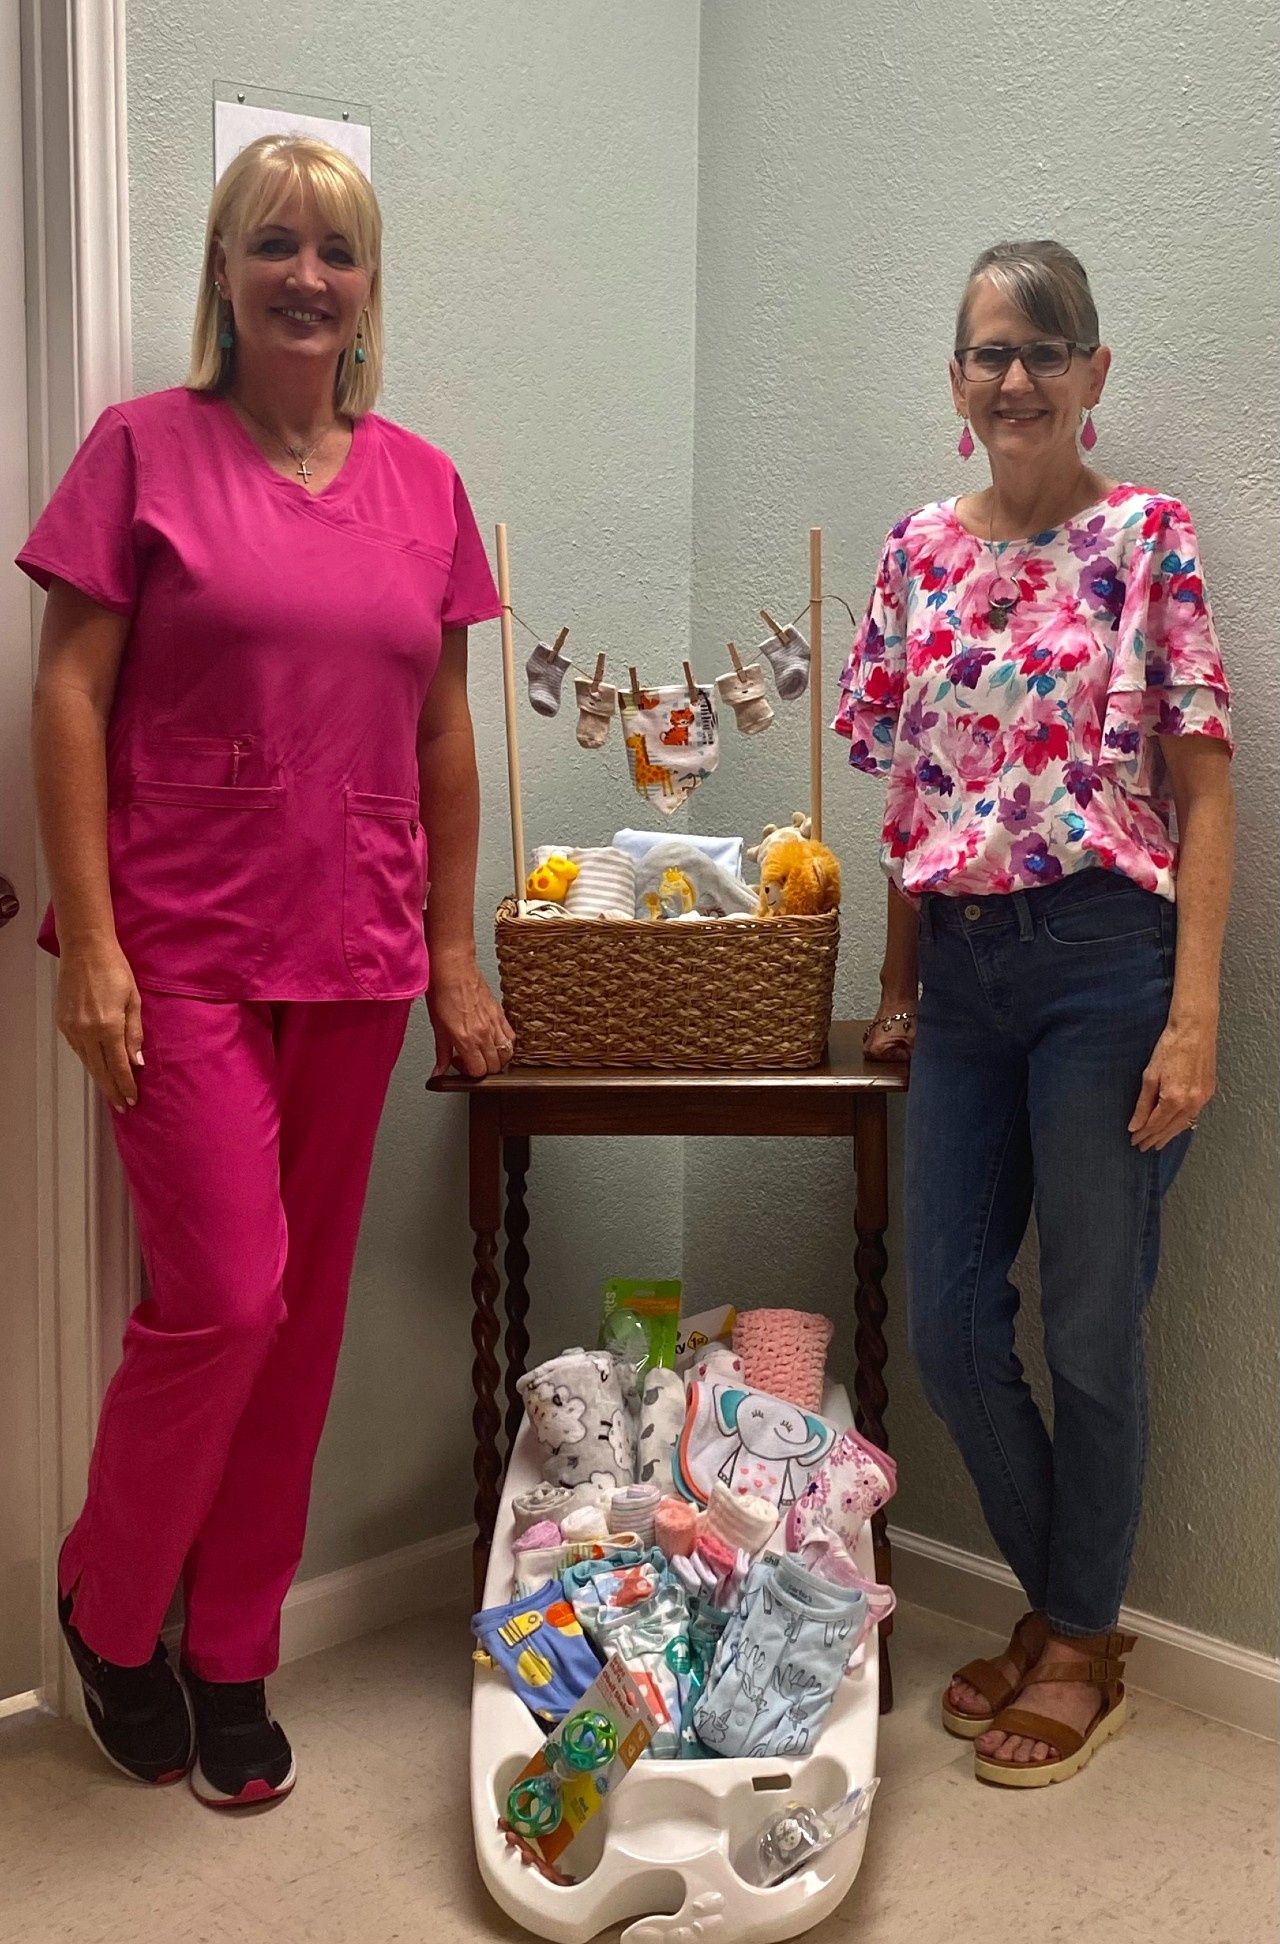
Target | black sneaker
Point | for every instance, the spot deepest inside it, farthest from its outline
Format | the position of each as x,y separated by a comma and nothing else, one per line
242,1756
139,1716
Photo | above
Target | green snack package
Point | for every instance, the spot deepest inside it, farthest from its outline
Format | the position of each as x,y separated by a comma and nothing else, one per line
639,1322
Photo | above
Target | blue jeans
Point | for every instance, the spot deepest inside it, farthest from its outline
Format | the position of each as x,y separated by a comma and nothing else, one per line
1038,1013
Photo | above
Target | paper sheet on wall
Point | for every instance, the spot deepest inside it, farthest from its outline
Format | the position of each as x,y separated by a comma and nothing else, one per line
237,123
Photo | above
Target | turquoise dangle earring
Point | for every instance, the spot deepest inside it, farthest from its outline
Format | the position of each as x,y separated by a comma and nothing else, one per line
226,340
361,358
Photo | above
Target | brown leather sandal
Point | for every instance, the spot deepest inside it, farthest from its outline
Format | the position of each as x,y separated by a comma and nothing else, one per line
992,1683
1104,1670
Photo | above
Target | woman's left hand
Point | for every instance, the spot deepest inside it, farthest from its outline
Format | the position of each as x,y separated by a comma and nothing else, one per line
1180,1077
471,1029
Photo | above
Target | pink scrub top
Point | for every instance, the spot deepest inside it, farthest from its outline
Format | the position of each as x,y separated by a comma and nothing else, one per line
262,780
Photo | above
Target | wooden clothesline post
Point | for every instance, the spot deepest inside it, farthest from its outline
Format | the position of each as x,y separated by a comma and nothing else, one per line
815,680
509,706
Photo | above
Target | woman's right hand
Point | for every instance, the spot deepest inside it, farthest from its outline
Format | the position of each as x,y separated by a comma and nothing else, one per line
99,1015
892,1033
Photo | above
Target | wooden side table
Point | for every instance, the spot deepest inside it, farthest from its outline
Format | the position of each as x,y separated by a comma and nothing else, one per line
846,1095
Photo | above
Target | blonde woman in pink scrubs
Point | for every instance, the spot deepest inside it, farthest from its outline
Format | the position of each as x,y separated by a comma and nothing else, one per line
251,729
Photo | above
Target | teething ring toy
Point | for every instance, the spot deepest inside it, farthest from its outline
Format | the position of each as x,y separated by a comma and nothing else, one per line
588,1741
533,1806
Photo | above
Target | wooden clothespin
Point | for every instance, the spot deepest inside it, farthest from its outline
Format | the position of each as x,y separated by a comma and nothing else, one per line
772,626
690,684
598,677
635,687
736,659
561,638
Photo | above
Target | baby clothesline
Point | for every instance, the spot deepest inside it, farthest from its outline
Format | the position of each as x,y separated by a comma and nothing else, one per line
594,677
509,615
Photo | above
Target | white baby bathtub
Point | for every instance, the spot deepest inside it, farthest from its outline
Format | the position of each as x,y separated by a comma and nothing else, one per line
671,1847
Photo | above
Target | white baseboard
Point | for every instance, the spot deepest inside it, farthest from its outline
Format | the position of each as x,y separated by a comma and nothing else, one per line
333,1607
1193,1670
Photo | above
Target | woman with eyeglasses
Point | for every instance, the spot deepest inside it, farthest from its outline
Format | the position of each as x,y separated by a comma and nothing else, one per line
1038,679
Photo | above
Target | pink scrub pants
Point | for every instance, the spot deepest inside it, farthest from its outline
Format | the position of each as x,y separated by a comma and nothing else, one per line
247,1159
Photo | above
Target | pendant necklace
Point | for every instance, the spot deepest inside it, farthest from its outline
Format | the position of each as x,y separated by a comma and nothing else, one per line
1005,593
299,453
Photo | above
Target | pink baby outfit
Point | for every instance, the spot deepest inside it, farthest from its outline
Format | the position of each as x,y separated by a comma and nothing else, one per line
268,873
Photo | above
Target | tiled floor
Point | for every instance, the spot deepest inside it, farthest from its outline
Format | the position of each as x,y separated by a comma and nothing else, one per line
1168,1836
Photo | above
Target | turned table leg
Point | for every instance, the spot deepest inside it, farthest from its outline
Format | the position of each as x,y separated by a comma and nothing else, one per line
515,1154
871,1218
485,1418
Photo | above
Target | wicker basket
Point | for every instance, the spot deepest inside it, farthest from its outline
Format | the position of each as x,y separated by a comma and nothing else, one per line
754,993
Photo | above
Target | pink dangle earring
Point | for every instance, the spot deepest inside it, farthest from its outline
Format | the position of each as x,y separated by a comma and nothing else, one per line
966,445
1088,433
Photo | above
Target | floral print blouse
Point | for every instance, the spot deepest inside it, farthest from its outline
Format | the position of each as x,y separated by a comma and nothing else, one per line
1016,756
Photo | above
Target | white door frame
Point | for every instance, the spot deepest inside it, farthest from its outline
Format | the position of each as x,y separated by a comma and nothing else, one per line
79,361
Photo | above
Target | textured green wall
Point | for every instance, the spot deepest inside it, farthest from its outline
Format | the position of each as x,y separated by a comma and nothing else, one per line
597,213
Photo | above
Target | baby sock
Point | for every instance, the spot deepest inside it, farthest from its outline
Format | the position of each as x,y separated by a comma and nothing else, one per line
721,1557
662,1407
675,1527
543,1502
789,660
596,710
784,1352
539,1644
745,695
744,1523
546,671
545,1533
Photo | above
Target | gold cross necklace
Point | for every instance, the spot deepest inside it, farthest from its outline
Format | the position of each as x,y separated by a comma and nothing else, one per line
299,453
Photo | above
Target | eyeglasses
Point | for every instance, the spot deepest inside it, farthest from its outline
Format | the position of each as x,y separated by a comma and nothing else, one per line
1043,358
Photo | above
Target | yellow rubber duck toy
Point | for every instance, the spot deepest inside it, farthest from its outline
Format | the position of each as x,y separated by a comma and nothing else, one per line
550,882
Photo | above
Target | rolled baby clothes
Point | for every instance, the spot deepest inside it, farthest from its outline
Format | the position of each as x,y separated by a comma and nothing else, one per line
581,1417
534,1567
606,880
588,1522
545,1533
662,1407
744,1523
675,1527
784,1352
632,1510
854,1481
543,1502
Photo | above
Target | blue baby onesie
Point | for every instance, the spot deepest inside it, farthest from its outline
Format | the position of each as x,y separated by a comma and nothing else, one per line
779,1662
541,1648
